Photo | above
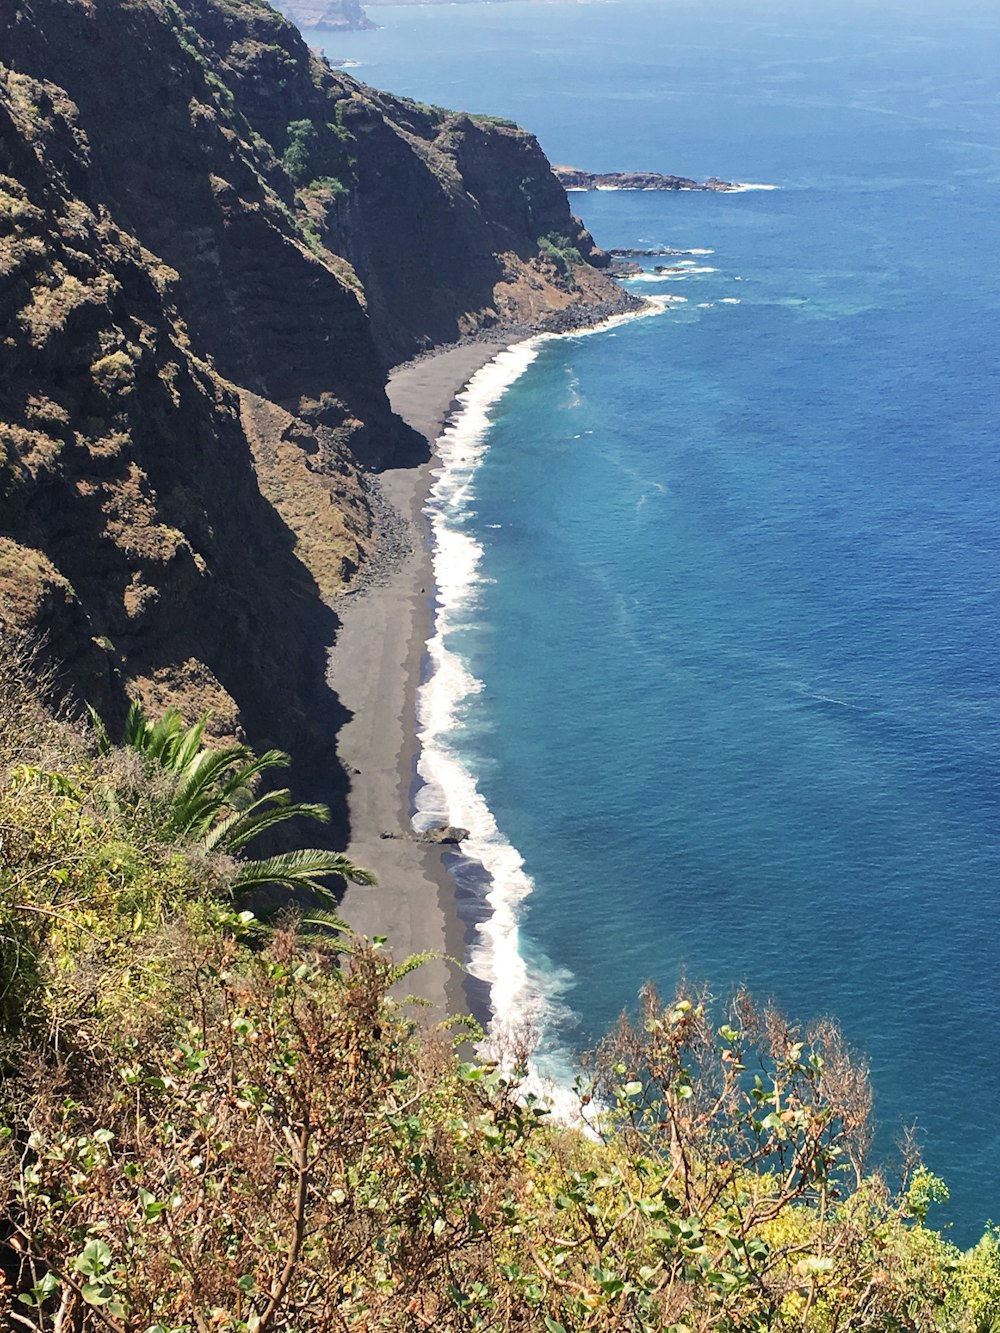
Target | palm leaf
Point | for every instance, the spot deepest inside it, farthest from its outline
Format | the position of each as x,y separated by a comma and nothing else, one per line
246,825
104,745
136,727
325,920
155,740
219,834
246,776
198,799
213,801
188,744
299,870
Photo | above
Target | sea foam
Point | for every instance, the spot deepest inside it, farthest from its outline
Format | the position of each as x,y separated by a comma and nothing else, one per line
450,793
521,998
678,274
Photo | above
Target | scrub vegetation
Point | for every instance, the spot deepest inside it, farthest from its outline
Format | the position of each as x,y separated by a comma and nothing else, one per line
213,1123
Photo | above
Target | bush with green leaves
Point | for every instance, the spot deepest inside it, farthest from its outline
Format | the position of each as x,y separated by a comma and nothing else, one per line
100,853
291,1152
319,154
561,252
303,138
210,1128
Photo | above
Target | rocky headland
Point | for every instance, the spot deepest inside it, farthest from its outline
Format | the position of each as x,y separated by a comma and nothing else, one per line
326,15
341,15
572,178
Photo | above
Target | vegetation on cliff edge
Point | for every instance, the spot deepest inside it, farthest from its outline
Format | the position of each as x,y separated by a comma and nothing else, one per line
212,1125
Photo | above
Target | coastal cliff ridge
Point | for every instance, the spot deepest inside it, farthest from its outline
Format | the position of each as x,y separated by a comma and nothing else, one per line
214,246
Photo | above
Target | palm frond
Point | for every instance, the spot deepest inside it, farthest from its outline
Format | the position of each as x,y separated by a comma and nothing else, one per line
156,740
299,870
104,745
188,744
246,825
246,776
214,802
197,798
136,727
325,920
223,833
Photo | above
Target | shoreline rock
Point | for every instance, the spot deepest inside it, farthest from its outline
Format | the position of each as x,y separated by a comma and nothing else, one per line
569,320
443,835
660,251
326,15
572,178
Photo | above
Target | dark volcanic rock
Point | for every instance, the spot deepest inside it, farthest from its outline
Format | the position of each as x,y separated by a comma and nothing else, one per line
135,537
444,835
572,178
647,254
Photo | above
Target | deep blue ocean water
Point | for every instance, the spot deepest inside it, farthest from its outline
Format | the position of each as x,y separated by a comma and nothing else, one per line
737,611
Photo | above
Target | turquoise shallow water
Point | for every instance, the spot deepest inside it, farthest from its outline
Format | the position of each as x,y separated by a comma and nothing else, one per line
736,611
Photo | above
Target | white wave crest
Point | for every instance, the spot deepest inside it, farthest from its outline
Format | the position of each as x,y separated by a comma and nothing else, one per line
674,276
655,305
450,793
520,996
744,187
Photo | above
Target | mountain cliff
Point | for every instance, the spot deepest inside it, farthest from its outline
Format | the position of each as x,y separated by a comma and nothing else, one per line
330,15
212,246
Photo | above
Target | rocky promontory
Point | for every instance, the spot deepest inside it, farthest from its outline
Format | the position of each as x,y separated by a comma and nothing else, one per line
326,15
572,178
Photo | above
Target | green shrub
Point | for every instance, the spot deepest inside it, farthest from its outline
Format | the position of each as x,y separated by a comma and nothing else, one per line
206,1127
501,121
297,159
561,252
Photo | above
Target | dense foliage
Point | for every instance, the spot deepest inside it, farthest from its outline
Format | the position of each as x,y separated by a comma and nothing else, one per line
212,1126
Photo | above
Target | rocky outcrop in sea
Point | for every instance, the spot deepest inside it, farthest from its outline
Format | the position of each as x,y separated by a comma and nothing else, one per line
572,178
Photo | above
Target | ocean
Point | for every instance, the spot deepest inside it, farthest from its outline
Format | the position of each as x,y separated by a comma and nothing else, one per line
718,643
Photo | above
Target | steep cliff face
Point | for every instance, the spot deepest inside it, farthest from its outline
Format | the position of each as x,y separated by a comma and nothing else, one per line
136,537
439,214
480,189
211,247
330,15
178,166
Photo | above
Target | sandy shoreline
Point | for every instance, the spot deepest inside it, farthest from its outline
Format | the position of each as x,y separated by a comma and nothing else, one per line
376,670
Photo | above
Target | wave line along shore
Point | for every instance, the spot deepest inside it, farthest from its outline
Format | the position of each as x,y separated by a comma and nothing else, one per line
389,633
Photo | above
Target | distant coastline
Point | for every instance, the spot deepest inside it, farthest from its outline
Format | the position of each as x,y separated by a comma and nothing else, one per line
351,16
